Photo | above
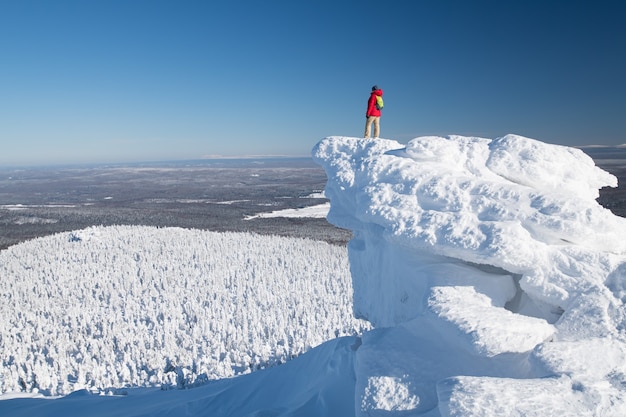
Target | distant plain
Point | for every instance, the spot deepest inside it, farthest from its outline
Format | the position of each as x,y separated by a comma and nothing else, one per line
214,195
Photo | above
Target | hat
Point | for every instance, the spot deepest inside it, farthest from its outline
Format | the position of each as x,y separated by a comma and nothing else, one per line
375,88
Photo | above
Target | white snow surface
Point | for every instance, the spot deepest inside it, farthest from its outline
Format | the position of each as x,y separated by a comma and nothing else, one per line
318,211
495,282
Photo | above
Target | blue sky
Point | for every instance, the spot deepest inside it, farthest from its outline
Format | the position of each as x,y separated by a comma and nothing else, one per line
112,81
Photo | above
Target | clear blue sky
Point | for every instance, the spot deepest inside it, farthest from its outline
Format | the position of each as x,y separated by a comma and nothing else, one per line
112,81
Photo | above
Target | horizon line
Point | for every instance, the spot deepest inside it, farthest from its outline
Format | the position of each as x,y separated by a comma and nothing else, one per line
145,161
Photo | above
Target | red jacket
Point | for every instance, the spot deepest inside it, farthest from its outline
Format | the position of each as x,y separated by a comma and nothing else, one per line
371,104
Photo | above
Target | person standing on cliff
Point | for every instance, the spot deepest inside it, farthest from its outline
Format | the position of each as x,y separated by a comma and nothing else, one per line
374,107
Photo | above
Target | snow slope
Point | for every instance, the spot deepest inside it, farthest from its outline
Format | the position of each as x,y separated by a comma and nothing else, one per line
494,279
318,383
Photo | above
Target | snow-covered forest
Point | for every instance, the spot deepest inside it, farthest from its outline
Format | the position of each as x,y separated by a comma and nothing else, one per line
143,306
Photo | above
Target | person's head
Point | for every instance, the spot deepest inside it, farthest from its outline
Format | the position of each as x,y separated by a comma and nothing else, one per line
375,88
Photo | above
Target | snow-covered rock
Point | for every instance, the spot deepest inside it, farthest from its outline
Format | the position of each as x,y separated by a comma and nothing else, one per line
490,259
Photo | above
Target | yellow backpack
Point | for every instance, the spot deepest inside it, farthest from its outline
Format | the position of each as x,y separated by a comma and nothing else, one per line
379,103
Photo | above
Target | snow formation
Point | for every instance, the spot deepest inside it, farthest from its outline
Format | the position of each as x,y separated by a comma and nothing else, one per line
495,280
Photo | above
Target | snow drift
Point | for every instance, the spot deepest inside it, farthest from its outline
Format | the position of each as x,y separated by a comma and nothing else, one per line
494,276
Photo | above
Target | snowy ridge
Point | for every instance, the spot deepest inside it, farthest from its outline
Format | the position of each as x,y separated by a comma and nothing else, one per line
492,259
142,306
